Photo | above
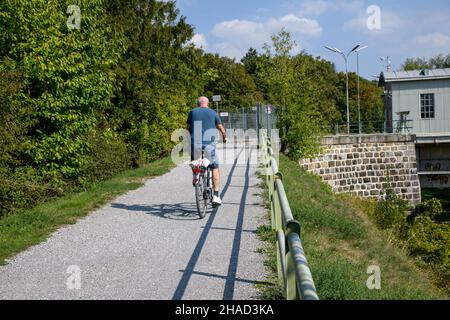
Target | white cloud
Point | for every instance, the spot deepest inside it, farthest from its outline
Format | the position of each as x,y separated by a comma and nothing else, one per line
316,7
435,40
390,22
296,25
319,7
199,40
229,50
236,36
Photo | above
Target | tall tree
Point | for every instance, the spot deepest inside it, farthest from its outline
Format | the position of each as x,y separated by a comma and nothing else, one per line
437,62
66,76
372,106
159,76
250,61
232,82
297,119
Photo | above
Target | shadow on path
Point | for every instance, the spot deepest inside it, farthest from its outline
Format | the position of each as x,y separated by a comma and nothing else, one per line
228,293
179,211
188,211
189,270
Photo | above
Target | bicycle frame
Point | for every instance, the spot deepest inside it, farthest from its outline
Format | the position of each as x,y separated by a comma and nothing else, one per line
203,188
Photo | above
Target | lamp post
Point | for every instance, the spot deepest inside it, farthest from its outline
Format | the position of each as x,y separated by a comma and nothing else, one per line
359,99
336,50
388,62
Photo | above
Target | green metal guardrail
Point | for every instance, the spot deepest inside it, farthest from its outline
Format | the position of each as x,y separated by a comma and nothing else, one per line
293,268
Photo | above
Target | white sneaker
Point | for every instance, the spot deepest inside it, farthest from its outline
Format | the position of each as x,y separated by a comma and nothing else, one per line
217,201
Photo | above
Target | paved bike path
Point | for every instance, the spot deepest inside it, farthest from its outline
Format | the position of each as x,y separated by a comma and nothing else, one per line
150,244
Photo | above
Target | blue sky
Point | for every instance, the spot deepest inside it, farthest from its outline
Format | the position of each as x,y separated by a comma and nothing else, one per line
413,28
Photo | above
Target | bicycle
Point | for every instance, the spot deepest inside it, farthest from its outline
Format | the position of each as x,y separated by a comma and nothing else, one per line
202,183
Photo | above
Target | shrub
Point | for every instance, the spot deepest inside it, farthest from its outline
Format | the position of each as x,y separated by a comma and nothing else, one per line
391,213
24,187
430,241
109,155
430,208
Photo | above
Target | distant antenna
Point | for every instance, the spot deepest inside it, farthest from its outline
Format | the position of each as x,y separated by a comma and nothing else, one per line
388,63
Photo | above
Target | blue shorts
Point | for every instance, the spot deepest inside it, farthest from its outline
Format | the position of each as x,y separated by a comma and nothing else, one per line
210,154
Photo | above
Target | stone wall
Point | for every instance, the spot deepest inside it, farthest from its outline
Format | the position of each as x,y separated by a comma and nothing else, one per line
363,165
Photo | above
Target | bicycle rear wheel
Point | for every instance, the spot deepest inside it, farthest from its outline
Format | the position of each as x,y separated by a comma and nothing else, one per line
200,199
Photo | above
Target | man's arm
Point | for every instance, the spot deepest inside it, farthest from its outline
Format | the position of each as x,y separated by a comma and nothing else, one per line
222,130
188,122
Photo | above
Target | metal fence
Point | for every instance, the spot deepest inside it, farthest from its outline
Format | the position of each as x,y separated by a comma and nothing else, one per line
292,265
246,119
265,117
259,116
371,127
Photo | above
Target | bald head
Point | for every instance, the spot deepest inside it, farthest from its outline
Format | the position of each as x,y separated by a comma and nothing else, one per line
203,102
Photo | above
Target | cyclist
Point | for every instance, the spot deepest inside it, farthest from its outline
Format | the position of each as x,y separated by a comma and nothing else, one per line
203,124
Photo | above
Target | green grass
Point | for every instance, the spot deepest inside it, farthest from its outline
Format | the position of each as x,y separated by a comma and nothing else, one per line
20,230
341,243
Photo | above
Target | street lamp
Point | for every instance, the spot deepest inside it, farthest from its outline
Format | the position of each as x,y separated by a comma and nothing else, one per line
336,50
359,99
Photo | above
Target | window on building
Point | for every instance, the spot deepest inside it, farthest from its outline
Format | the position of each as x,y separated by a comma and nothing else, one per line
427,106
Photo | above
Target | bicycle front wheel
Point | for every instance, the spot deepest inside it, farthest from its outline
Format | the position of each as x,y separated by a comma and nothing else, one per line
200,199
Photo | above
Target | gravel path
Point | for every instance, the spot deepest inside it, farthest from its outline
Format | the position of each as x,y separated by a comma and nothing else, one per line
150,244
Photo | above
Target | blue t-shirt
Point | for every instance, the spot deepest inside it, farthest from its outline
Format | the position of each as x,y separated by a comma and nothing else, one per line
203,121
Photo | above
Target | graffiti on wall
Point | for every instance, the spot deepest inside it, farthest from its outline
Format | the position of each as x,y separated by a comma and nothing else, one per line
441,179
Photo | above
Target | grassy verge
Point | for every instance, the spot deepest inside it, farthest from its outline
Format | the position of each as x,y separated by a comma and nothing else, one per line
341,243
23,229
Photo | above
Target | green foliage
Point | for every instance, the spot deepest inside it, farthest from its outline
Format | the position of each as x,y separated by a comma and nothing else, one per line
250,62
77,106
441,194
372,107
232,81
427,238
391,213
430,241
309,95
158,77
287,86
24,187
66,72
340,243
419,233
436,62
431,208
109,156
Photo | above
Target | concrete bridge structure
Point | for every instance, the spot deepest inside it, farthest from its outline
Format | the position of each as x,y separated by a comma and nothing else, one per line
365,165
